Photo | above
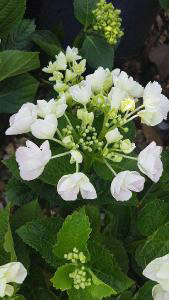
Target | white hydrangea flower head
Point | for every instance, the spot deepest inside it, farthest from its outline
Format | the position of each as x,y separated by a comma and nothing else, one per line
149,162
21,121
79,68
13,272
99,79
61,62
70,185
72,54
76,157
158,270
127,84
45,129
86,117
125,183
32,159
56,107
156,105
159,294
116,96
81,93
127,146
113,136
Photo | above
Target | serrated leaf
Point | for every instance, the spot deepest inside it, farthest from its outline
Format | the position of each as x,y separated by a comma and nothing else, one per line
145,292
99,289
41,235
14,92
15,62
154,246
74,233
11,11
27,213
18,193
83,11
4,227
80,295
98,52
9,245
61,279
153,215
20,36
105,267
47,41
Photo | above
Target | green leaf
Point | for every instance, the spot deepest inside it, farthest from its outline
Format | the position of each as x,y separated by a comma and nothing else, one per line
11,12
105,267
19,297
9,245
153,215
80,295
61,279
145,292
98,52
41,293
15,62
126,296
164,4
14,92
83,11
47,41
27,213
57,168
74,233
41,235
99,289
20,37
6,240
155,246
18,193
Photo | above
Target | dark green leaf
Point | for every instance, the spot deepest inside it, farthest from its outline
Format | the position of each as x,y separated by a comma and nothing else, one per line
73,234
15,62
14,92
47,41
98,52
20,37
11,12
153,215
83,11
42,236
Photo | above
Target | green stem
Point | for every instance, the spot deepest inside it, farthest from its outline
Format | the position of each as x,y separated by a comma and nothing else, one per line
61,154
77,167
59,133
130,119
104,128
67,119
136,110
110,168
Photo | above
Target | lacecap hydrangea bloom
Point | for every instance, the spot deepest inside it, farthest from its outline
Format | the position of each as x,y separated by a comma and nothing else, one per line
13,272
110,98
158,271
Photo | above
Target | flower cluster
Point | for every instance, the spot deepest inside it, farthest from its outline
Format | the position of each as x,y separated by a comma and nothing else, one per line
107,20
12,272
80,279
111,96
75,256
79,276
158,270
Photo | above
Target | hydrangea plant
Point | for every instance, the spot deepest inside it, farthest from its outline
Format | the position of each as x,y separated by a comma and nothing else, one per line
96,111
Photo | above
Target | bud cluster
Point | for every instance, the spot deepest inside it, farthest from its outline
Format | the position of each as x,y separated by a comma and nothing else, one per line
75,256
80,279
88,138
108,21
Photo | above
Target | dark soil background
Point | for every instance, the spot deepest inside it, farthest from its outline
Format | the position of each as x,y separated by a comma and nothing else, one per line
145,62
